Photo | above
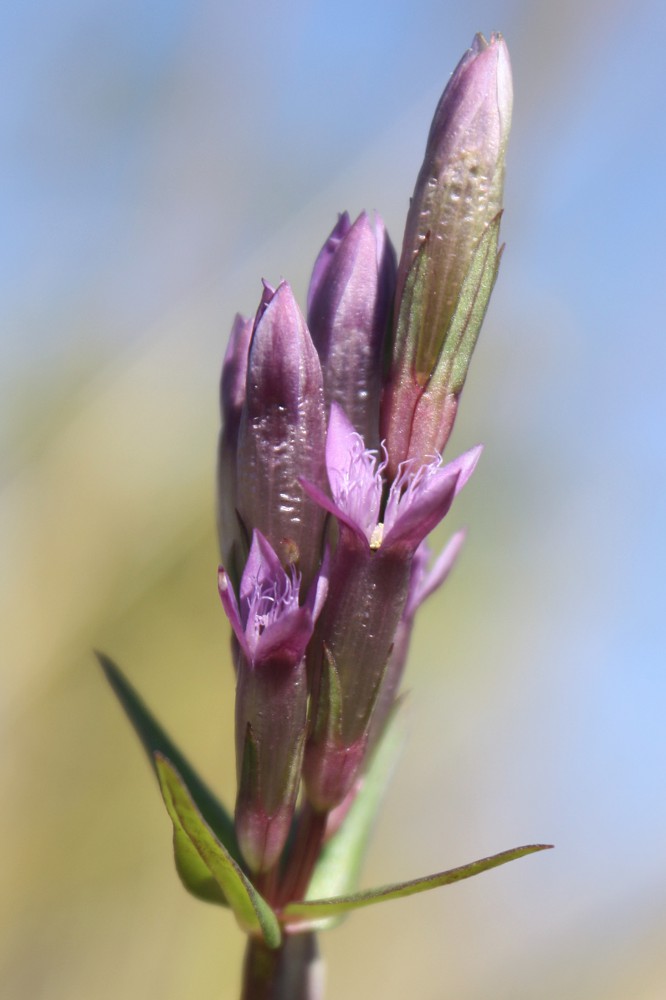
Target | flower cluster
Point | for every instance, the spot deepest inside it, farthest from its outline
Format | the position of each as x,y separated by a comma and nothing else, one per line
330,473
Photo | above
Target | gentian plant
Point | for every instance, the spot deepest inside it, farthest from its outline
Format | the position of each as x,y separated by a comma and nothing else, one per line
330,479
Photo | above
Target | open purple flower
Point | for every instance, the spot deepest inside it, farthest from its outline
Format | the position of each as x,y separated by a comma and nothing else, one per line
268,622
418,498
371,583
273,631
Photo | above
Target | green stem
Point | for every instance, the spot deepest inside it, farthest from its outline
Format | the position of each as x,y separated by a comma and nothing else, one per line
294,971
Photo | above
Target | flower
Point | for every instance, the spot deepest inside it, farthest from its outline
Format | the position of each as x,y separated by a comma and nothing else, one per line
418,498
369,588
272,630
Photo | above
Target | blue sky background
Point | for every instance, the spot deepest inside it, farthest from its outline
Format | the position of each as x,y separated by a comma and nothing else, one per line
158,159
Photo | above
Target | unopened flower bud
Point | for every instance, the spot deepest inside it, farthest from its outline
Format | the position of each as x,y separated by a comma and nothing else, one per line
282,434
450,254
349,304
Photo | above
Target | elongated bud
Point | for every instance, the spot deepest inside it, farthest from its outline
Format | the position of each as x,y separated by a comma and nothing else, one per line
450,254
282,433
349,303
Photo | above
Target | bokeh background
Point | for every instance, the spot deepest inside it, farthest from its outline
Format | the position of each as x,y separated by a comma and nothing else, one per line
157,161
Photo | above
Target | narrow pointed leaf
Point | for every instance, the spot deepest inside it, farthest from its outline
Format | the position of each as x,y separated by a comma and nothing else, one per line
339,865
251,910
315,909
156,740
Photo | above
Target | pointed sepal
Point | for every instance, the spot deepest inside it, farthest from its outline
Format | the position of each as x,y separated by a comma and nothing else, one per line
251,910
320,908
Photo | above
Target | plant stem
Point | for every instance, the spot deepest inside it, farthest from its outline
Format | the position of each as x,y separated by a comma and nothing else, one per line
294,971
304,854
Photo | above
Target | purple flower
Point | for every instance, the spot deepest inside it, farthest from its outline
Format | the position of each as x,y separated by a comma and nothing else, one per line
418,498
369,590
273,631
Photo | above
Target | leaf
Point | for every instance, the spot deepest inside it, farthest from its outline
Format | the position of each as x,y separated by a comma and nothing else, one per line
193,874
251,910
339,865
315,909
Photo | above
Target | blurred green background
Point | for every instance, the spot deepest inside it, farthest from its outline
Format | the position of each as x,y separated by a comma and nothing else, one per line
158,160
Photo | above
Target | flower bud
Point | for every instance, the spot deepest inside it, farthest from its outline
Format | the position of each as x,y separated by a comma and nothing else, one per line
282,434
349,303
450,254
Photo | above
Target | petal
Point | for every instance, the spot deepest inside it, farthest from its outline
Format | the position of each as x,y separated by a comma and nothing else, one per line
261,569
465,465
424,510
353,473
429,581
325,256
285,639
328,505
230,606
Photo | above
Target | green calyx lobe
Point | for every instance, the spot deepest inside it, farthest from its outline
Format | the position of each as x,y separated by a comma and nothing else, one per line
440,357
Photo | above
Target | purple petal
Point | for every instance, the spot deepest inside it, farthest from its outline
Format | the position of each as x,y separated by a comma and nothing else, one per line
261,569
234,370
423,505
328,505
353,474
465,465
285,639
230,606
325,256
428,582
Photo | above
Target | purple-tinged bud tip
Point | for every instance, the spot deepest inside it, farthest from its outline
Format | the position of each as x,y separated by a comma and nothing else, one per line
349,305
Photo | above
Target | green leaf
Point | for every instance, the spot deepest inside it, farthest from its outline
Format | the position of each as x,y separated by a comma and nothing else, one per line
339,865
251,910
316,909
193,874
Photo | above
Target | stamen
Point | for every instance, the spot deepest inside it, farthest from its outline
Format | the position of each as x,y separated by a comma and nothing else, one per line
357,487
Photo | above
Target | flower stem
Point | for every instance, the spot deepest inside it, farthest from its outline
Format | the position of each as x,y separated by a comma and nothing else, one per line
294,971
304,854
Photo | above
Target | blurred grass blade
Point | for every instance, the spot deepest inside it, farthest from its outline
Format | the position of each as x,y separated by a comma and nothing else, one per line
156,740
338,868
253,913
316,909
